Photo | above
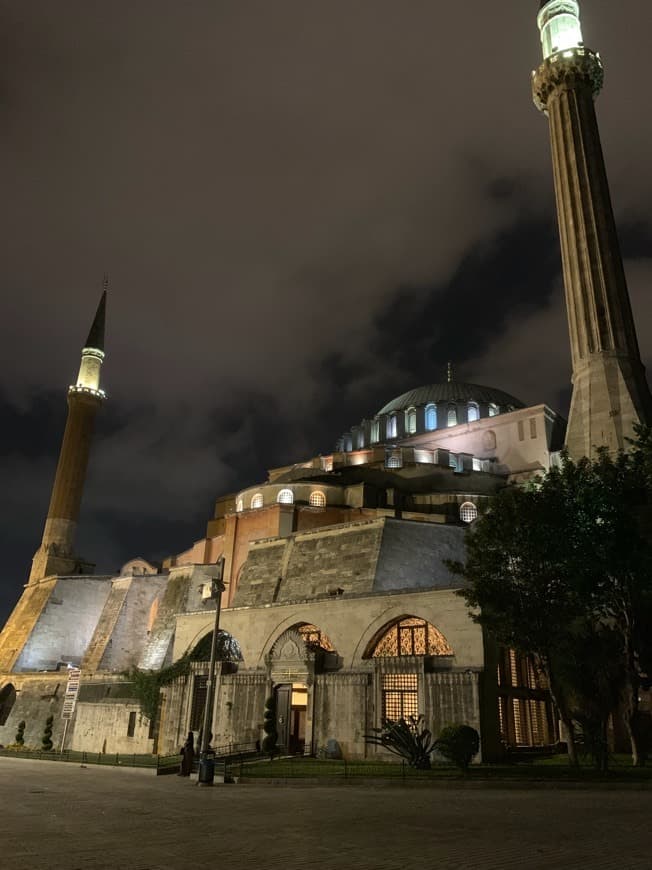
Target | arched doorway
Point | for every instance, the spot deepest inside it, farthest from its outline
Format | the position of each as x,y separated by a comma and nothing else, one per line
294,659
7,701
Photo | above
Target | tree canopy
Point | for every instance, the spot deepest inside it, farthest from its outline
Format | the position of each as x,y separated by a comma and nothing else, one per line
561,569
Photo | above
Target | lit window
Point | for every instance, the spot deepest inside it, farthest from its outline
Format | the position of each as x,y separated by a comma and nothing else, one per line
411,420
468,512
375,432
473,412
391,426
348,443
493,410
317,499
393,459
452,461
257,501
411,637
285,496
240,505
359,439
431,417
452,415
400,696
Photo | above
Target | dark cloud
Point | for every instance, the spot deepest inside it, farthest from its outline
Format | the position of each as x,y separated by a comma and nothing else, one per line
304,208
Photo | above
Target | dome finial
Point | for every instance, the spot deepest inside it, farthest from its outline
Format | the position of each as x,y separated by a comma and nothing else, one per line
449,371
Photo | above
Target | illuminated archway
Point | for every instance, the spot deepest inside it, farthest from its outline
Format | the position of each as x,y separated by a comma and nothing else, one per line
408,636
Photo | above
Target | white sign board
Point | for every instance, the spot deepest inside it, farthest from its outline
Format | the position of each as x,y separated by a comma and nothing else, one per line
72,690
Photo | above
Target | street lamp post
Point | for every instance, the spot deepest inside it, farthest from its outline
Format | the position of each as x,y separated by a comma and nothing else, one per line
206,762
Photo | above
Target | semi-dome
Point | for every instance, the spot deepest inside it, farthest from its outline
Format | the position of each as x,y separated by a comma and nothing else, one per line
452,391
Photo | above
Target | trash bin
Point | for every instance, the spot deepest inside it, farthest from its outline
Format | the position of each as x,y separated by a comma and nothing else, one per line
206,769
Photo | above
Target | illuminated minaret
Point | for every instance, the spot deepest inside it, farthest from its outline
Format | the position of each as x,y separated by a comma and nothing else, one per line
610,392
56,553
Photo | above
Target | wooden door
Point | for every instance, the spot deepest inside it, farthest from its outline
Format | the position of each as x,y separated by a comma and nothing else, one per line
283,710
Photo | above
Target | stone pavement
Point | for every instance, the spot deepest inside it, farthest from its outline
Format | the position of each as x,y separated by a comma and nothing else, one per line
55,816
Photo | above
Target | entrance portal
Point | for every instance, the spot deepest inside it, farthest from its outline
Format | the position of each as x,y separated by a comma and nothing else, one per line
291,710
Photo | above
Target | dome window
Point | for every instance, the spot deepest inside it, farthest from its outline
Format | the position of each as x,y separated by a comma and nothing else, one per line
239,505
493,410
468,512
257,501
431,417
452,415
473,412
285,496
317,499
391,426
411,420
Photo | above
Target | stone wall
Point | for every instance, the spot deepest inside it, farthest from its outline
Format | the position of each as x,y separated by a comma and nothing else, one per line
344,711
66,622
37,697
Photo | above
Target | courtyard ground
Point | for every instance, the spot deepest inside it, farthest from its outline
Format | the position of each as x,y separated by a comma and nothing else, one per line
56,816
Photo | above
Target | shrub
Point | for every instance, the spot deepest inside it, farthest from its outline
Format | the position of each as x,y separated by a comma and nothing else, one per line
459,744
408,738
20,733
46,740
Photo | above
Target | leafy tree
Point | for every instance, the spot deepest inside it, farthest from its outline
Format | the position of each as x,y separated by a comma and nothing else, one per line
408,738
570,551
459,744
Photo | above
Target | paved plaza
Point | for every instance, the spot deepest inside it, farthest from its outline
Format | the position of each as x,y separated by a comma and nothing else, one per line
64,816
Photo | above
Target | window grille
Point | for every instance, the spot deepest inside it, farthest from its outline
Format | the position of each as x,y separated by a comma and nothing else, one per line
411,420
317,499
431,417
412,637
468,512
400,696
393,459
452,415
285,496
257,501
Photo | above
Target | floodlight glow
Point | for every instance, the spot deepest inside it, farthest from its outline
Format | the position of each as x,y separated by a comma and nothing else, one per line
561,30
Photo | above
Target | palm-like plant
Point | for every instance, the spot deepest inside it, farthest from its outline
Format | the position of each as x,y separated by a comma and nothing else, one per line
408,738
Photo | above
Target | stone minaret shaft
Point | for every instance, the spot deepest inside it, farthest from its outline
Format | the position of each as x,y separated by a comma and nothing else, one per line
610,392
56,553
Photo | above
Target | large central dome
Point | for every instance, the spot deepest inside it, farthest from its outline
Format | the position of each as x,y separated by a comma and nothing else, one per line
452,391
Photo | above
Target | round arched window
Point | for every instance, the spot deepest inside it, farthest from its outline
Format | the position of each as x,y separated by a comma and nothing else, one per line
257,501
317,499
285,496
468,512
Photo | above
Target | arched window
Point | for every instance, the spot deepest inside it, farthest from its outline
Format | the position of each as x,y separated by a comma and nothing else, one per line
7,701
391,426
314,638
493,410
431,417
239,505
375,431
410,636
452,415
468,512
473,412
317,499
393,459
411,420
452,460
285,496
257,501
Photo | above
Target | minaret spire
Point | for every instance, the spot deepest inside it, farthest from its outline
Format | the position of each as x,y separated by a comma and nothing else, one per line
610,392
85,397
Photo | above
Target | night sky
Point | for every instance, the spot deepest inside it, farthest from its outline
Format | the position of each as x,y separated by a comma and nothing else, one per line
305,208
